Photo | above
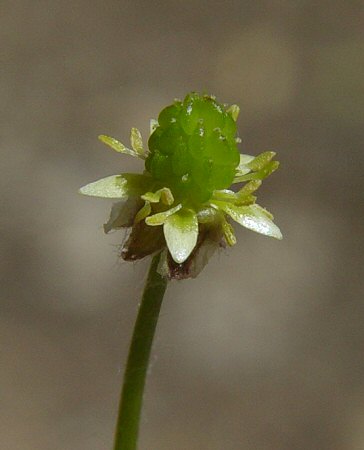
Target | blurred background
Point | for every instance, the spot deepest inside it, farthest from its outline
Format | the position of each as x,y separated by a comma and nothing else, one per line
264,351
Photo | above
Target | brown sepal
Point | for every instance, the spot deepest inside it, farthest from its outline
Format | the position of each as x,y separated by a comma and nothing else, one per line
144,240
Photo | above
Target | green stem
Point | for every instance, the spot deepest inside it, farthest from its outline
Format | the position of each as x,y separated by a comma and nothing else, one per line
136,368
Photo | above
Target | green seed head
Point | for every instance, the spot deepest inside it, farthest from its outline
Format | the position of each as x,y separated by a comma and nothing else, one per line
181,204
193,150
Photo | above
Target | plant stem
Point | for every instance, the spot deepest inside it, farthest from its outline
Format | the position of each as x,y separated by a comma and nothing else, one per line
136,368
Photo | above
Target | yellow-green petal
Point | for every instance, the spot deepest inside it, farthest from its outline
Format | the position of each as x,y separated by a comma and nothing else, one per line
237,198
164,195
267,170
225,194
228,231
245,200
160,218
143,212
261,161
136,142
249,188
234,110
181,232
118,146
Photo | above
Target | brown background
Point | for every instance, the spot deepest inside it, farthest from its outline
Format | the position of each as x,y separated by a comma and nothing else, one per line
265,350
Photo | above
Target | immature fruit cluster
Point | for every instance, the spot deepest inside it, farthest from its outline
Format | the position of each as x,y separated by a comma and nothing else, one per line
183,203
193,149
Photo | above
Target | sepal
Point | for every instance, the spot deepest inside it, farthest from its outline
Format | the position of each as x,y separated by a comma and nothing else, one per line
122,214
210,239
143,241
114,186
181,231
253,217
118,186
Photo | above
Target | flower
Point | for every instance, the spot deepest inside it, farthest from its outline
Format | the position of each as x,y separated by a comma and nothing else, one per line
181,204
